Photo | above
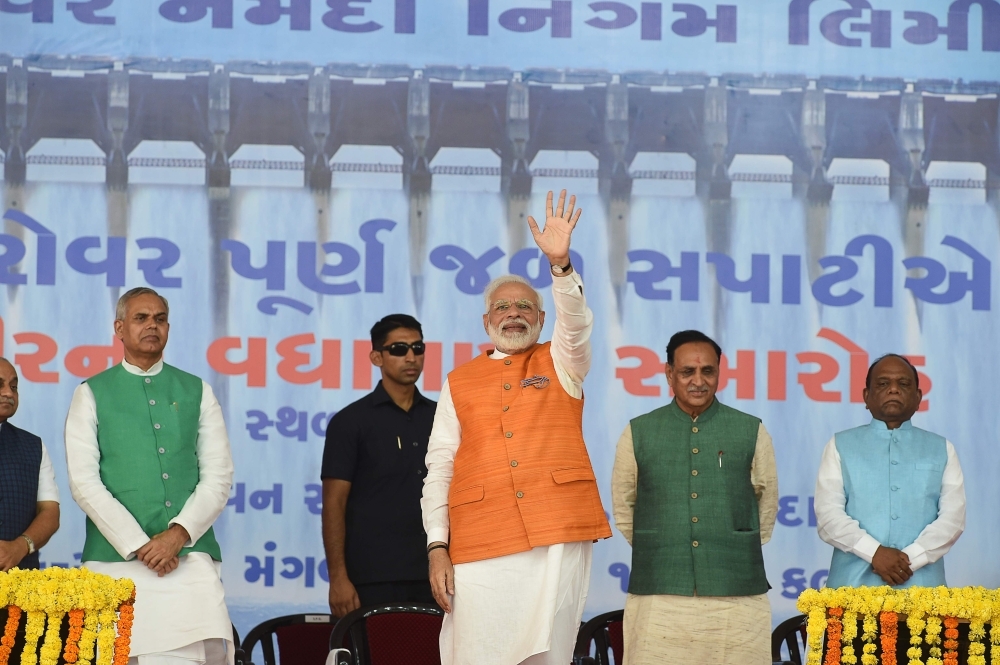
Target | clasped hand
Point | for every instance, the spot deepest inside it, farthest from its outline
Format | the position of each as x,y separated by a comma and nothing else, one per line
892,565
160,553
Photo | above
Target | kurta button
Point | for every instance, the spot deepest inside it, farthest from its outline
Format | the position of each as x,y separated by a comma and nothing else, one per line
149,380
694,519
152,402
520,495
505,408
694,472
508,434
513,462
166,503
694,544
166,475
506,362
694,495
694,450
156,426
694,429
163,450
506,386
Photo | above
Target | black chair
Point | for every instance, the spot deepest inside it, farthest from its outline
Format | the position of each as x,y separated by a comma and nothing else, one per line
792,634
302,639
606,632
389,634
241,656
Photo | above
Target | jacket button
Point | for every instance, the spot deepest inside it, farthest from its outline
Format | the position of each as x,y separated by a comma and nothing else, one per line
694,472
166,503
505,408
163,450
694,495
694,519
149,380
694,429
506,362
694,544
520,495
166,475
895,517
156,426
694,450
152,402
506,386
508,434
894,488
895,462
513,462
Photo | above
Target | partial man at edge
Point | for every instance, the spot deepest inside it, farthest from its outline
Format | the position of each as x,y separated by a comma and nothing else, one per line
29,496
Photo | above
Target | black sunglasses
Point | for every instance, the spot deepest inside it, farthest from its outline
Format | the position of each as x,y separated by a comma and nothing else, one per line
402,348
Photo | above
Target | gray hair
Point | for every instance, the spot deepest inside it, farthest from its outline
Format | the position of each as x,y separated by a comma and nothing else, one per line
508,279
134,293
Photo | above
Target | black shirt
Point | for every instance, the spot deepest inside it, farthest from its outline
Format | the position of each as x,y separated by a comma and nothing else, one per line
380,450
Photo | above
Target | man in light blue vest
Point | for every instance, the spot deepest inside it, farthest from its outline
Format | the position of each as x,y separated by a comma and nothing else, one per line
890,497
149,463
695,492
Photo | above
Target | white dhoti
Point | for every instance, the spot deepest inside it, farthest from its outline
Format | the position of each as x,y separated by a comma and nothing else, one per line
520,608
721,630
176,612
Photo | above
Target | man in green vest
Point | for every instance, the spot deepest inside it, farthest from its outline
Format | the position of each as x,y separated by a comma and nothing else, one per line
149,463
695,492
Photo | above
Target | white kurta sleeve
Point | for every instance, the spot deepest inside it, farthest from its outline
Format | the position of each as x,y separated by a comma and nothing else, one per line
764,478
571,353
624,478
833,524
48,490
83,464
938,536
446,435
215,471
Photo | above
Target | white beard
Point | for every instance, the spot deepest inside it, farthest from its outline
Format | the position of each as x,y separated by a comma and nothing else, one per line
514,342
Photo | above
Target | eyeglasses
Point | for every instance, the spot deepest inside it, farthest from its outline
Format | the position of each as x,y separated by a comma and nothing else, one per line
523,305
400,349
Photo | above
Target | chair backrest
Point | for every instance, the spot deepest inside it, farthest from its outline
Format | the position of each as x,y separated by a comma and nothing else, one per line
792,634
389,634
303,639
605,631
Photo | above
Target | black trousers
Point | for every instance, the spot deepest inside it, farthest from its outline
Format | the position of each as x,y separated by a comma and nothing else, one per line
395,592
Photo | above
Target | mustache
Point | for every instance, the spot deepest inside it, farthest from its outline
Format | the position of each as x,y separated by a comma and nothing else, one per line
8,400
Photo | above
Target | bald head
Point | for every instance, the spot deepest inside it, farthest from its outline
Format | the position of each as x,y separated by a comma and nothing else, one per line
8,390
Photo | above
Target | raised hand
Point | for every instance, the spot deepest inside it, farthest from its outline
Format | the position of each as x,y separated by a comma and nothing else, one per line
559,224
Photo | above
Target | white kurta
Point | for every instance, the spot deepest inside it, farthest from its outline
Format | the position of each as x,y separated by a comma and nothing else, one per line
524,607
186,606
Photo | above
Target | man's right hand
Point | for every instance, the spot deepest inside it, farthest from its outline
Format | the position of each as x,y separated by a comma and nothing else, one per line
442,574
892,565
343,596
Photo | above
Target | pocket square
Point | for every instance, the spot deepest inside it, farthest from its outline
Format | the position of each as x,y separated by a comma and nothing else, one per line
537,381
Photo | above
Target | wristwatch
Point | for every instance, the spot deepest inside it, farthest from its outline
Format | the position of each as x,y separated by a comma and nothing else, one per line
31,544
560,270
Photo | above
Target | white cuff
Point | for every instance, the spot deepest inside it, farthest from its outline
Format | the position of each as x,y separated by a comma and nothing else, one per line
917,555
437,535
866,547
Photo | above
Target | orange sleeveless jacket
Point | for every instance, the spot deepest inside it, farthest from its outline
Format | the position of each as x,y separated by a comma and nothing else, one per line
522,476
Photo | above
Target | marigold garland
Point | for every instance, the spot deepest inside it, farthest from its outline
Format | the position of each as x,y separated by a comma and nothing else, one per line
834,628
9,631
122,642
89,598
924,608
950,641
888,633
72,651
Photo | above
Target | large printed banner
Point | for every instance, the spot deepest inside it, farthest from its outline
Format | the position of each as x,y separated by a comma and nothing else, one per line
812,37
808,228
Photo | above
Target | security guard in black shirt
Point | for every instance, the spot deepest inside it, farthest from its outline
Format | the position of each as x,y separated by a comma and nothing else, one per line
373,475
